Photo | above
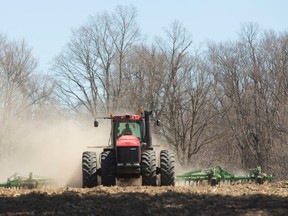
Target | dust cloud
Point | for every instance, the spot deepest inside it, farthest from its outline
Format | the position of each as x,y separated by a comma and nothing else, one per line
51,149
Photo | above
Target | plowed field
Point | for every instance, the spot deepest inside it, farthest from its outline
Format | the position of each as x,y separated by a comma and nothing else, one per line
247,199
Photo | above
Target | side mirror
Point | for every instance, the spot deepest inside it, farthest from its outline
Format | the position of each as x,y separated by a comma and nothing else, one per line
158,122
96,123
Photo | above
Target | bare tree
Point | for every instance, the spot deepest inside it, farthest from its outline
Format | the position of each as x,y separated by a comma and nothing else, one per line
91,69
125,36
2,46
145,78
185,98
76,72
17,65
274,51
248,93
21,93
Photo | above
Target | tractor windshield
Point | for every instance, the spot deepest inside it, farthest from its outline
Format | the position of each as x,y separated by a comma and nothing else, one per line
128,128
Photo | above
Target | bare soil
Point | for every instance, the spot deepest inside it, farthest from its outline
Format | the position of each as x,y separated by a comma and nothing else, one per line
246,199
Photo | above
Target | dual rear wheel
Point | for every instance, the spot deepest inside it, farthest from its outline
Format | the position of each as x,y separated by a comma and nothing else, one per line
89,169
149,170
167,168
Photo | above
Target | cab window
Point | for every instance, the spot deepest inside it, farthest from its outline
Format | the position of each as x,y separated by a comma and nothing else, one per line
134,127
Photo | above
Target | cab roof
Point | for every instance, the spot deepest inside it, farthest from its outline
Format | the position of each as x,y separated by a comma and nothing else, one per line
127,117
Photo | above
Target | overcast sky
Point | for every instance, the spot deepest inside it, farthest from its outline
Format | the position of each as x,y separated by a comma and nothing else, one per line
46,25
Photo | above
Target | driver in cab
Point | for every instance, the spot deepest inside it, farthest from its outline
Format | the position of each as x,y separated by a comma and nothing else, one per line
127,130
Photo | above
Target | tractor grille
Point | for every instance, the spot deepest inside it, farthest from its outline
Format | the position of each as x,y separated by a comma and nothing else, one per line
128,155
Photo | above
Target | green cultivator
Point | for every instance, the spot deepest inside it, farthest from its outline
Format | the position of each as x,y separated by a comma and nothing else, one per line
216,174
29,182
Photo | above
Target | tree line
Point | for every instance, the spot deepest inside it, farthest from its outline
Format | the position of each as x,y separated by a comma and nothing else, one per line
225,103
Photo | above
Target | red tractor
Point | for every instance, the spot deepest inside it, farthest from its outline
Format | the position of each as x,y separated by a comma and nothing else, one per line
129,155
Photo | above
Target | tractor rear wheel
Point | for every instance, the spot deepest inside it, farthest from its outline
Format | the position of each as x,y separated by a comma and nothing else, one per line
167,172
108,168
89,169
148,168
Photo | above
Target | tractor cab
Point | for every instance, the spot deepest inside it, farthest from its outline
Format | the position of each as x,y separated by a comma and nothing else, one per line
133,125
127,125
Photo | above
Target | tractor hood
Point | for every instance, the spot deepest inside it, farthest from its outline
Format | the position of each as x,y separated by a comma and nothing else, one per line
128,140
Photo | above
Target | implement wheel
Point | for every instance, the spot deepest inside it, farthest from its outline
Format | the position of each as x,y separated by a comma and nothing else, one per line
167,172
89,168
108,168
148,168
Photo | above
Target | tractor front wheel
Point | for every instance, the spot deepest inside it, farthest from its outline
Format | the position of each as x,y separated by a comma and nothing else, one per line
89,169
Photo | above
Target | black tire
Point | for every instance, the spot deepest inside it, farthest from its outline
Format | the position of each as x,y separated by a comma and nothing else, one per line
89,169
108,168
167,168
148,168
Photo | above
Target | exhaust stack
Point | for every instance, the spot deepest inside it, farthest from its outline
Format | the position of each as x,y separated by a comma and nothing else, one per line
148,137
